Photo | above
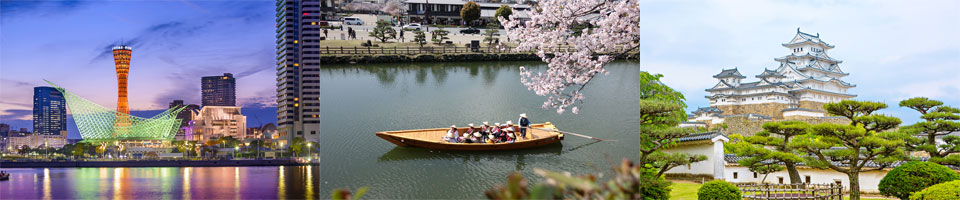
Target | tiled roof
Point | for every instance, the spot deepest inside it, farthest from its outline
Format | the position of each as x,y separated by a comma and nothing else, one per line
708,110
729,73
701,136
809,38
770,73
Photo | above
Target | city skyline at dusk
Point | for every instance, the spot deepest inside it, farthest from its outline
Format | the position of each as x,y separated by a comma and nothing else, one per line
175,42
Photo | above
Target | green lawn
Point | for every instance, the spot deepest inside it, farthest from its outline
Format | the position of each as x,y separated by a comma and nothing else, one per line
686,190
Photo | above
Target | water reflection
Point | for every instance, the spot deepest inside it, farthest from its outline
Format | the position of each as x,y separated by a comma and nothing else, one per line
387,74
293,182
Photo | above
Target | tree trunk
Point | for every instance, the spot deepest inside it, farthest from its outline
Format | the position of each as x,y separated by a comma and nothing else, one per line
794,174
854,185
932,140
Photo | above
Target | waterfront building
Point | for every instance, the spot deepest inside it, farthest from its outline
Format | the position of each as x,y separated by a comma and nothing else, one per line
448,11
4,129
37,140
97,123
298,68
49,111
213,122
219,90
185,130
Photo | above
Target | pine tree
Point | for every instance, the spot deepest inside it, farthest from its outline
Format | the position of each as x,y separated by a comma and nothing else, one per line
938,120
767,150
850,148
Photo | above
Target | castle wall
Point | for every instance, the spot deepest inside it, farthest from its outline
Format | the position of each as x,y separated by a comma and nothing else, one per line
812,105
743,126
773,110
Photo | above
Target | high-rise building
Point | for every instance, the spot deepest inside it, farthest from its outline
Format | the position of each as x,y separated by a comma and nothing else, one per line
298,59
121,58
219,90
49,111
4,129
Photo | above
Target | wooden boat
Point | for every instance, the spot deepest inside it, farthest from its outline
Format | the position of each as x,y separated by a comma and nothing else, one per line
4,177
433,139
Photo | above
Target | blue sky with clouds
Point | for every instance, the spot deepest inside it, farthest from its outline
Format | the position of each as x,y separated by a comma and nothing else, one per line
893,50
174,43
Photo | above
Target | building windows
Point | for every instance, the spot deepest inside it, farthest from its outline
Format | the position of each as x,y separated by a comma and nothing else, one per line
807,179
734,175
754,175
780,179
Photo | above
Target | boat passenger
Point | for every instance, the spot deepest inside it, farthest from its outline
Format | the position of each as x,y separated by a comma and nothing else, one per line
524,125
485,129
490,139
470,130
466,138
476,138
451,134
496,131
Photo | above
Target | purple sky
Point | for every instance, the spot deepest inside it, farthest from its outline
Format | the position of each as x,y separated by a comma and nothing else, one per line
174,44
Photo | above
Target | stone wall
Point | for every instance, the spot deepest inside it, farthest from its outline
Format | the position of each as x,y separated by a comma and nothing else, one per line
743,126
774,110
812,105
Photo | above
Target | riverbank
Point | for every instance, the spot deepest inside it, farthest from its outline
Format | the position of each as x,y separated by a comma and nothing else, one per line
148,163
449,57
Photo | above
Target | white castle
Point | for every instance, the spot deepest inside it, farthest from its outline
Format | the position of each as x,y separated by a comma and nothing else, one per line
806,79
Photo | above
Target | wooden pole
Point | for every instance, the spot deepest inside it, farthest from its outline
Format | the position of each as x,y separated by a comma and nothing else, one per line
574,134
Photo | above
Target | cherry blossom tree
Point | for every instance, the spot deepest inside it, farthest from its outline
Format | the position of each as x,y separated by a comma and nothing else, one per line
595,31
394,8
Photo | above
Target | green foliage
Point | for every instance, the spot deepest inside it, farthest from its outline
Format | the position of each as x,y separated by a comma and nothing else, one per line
438,35
490,36
383,31
946,190
938,120
718,190
914,176
504,11
470,12
297,145
344,194
767,151
627,183
862,141
420,38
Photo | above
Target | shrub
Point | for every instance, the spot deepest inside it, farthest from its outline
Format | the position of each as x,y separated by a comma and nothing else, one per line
914,176
718,190
948,190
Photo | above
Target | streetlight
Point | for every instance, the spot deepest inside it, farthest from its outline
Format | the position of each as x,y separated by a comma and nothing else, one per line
235,149
309,146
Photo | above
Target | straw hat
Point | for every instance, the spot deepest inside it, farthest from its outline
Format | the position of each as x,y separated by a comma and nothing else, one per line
466,134
510,135
490,136
509,123
486,123
498,123
476,134
453,126
471,125
524,115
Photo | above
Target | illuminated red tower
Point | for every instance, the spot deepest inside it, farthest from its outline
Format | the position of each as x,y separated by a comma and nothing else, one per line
121,57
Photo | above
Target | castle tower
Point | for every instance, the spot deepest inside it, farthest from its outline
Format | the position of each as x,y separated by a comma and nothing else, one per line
805,80
121,58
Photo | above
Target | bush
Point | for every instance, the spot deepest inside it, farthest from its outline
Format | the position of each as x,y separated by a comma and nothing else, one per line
914,176
718,190
948,190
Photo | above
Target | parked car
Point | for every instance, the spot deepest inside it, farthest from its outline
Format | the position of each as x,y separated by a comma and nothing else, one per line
352,21
470,31
413,26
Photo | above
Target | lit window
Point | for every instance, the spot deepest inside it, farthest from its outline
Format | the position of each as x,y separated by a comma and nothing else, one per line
295,98
296,105
296,64
296,41
313,23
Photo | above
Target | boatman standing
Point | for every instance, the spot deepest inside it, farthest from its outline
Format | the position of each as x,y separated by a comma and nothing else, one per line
524,124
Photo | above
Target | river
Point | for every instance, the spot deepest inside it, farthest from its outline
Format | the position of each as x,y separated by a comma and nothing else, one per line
275,182
361,99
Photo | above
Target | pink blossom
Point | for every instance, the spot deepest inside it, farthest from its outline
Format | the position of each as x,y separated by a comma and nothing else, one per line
606,28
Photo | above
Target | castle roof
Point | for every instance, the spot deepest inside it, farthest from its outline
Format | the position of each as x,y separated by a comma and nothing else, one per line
708,110
770,73
729,73
702,136
802,38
